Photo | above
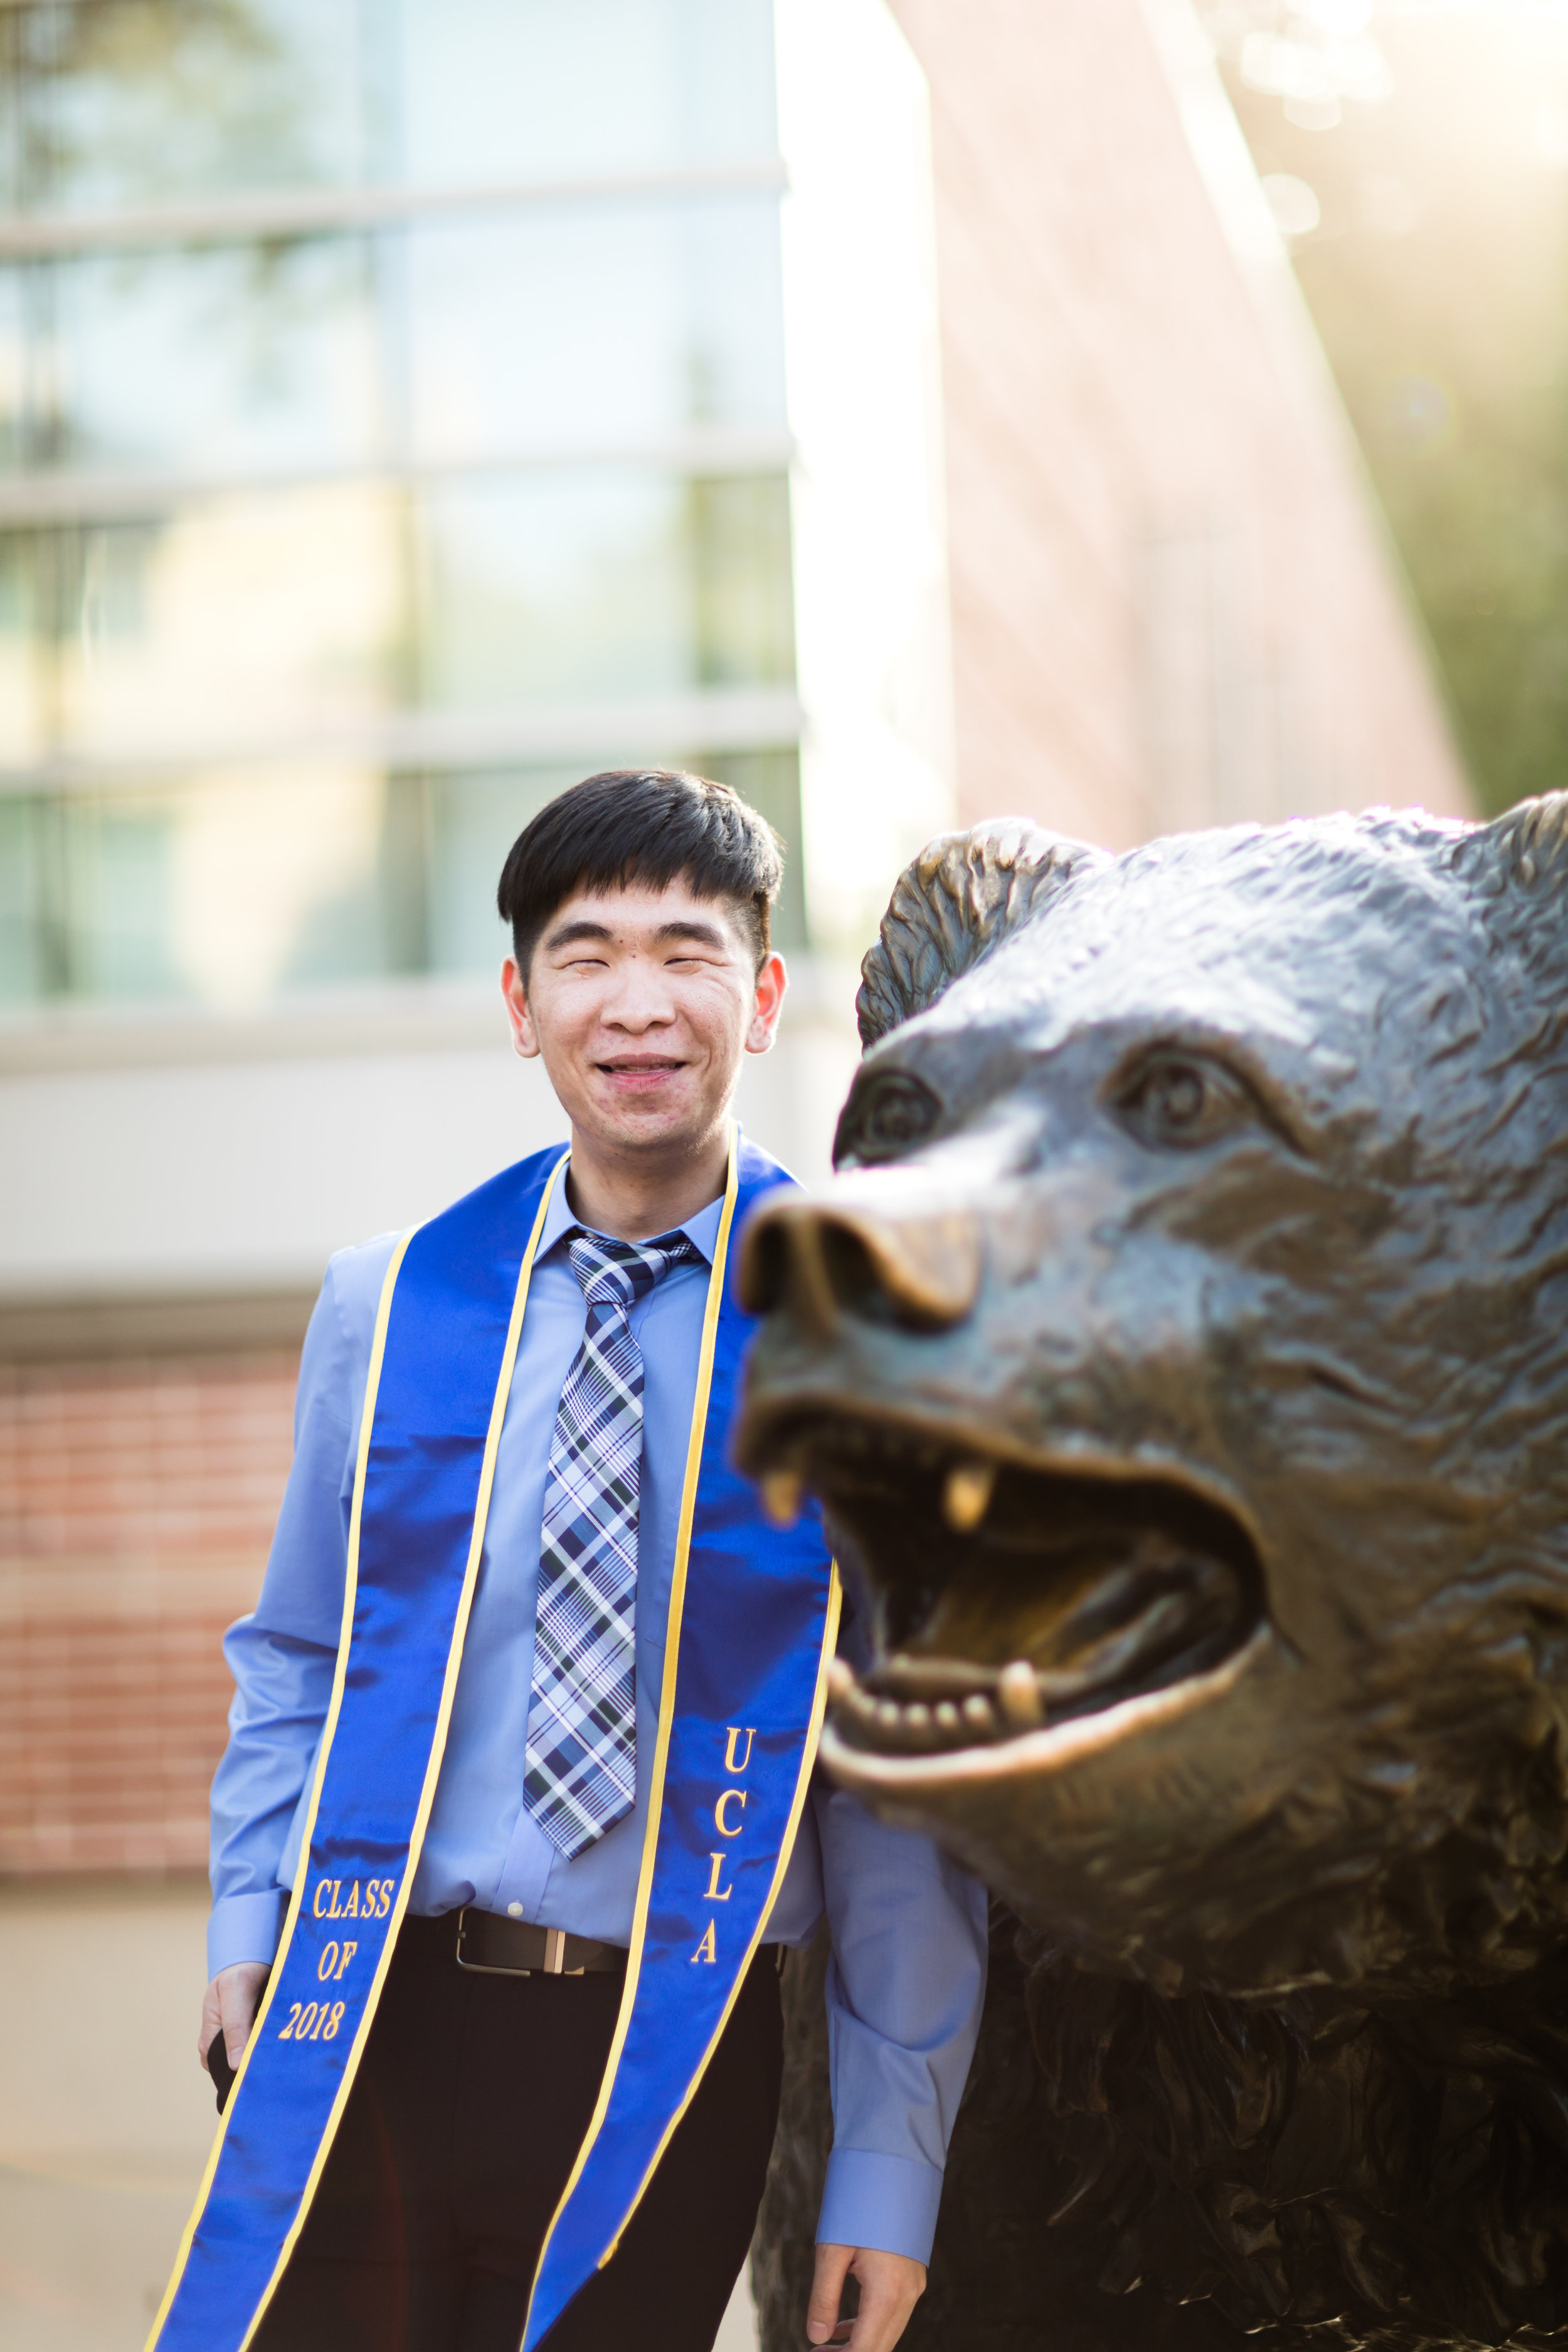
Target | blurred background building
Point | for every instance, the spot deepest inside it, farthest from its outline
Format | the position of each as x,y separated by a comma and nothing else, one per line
904,410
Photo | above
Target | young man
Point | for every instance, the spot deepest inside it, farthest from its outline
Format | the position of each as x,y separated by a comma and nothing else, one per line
547,1812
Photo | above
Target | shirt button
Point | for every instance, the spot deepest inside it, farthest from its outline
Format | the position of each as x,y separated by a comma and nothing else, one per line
514,1910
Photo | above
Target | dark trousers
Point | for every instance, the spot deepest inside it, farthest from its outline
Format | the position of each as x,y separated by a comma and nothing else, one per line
470,2104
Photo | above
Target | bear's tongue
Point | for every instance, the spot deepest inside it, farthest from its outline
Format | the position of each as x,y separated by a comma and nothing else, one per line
1006,1596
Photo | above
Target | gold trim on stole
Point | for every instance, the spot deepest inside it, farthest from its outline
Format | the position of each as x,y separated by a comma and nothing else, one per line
661,1753
797,1806
432,1770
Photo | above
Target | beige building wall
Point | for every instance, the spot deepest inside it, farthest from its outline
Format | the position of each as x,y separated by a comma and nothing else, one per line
1173,601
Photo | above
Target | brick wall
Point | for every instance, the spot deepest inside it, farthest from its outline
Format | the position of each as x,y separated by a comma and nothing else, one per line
136,1505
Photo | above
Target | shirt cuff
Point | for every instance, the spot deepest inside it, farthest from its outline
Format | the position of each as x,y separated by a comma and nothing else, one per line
246,1928
887,2202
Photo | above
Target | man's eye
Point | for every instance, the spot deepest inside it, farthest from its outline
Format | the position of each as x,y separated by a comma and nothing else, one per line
1182,1099
885,1117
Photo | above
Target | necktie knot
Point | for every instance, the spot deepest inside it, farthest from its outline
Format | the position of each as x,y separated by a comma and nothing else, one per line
616,1274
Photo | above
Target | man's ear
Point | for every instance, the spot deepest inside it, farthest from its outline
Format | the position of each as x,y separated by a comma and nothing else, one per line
524,1039
772,981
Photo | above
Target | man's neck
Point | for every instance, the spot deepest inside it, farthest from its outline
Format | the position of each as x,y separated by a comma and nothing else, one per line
632,1196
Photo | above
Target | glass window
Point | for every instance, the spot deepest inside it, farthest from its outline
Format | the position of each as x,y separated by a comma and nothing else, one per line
238,884
228,357
586,323
226,888
568,325
439,483
22,901
116,102
26,582
242,618
120,856
603,581
496,88
107,104
18,355
253,619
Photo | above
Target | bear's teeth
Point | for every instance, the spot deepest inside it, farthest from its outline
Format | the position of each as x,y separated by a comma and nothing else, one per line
966,1496
925,1723
1018,1696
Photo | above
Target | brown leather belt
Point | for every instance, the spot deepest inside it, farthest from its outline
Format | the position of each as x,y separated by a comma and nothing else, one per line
494,1946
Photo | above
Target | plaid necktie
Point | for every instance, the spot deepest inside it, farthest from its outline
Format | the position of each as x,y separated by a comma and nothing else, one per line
581,1767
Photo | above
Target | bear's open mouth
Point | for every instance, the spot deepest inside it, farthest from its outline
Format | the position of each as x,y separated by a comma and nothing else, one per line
1010,1596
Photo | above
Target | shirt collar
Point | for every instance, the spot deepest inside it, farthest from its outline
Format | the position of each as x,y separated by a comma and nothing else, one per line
701,1230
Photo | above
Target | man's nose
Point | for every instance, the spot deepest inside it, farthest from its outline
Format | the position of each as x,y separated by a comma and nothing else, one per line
641,999
824,1260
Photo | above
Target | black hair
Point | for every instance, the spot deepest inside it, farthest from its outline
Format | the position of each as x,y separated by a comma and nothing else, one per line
652,826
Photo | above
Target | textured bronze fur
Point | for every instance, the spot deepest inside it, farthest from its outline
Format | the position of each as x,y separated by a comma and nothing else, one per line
1215,1197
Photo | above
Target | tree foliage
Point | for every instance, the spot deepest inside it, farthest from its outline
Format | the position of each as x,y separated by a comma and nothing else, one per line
1437,274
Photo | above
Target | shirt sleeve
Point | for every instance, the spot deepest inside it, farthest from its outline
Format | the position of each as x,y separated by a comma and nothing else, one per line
283,1655
905,1987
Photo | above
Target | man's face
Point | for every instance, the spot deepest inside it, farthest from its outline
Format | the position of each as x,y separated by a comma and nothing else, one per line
641,1003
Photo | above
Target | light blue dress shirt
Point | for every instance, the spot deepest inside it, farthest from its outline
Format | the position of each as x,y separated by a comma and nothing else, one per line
909,1928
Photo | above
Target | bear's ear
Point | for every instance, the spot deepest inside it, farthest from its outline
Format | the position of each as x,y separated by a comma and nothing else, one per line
1527,844
962,895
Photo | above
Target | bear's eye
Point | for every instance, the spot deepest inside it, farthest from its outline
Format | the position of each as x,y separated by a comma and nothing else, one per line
1182,1099
889,1115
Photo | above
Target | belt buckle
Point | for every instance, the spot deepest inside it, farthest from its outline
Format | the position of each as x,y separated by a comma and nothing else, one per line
483,1968
554,1963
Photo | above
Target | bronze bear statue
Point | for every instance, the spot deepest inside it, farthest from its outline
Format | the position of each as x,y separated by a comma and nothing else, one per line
1181,1363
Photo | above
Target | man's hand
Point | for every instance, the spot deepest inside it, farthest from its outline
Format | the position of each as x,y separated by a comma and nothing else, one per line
890,2286
230,2001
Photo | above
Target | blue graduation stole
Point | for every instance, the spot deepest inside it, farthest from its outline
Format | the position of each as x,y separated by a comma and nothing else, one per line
753,1612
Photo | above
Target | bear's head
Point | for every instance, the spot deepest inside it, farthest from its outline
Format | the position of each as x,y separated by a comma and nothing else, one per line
1181,1360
